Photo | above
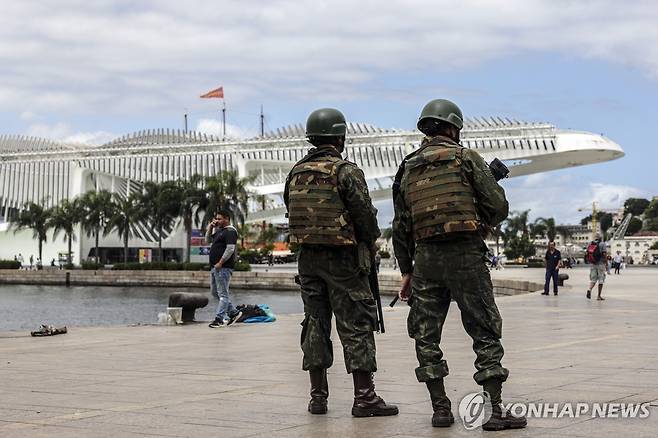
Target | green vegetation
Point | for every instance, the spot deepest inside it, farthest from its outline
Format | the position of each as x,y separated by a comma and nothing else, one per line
516,236
35,217
9,264
634,226
157,207
635,206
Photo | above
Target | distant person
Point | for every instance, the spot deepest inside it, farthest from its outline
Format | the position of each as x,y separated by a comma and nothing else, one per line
378,261
31,262
52,263
597,256
20,260
553,258
39,264
223,239
618,260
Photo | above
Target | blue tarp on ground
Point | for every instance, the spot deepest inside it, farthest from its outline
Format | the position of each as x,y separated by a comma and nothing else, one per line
270,316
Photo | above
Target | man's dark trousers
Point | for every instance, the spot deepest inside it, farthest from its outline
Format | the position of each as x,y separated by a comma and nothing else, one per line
551,274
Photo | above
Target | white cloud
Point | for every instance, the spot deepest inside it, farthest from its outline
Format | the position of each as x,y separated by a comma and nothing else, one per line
126,57
562,198
555,196
214,127
62,132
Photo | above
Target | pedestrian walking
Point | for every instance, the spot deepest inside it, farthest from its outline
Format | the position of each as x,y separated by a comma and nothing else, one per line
597,257
618,260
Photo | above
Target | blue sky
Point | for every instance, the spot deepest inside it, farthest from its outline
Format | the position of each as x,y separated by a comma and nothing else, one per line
89,72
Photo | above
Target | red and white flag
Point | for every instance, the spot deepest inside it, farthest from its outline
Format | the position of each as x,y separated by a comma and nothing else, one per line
217,93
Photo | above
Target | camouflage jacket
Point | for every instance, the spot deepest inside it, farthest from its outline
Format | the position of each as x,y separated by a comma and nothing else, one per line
353,191
492,206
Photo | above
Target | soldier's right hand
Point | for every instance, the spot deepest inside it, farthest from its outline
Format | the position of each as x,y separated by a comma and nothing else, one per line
405,287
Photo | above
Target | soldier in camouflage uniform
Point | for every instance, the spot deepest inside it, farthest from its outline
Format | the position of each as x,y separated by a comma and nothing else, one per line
332,217
444,196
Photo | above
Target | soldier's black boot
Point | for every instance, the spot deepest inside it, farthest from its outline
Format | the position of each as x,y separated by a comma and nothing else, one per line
319,391
440,403
501,418
366,401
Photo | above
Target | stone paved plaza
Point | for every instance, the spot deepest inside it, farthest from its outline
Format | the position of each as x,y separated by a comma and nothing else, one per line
245,380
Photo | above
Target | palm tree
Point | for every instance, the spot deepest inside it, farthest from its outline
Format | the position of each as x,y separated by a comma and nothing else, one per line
160,204
36,217
191,205
262,200
548,226
64,217
97,209
125,212
246,232
227,191
517,223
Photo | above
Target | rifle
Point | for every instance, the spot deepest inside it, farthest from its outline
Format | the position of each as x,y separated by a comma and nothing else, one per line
374,287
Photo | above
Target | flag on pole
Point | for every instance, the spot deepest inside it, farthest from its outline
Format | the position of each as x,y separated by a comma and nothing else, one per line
218,93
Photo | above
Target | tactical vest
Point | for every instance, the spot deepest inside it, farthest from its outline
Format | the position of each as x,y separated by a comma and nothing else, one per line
317,214
442,201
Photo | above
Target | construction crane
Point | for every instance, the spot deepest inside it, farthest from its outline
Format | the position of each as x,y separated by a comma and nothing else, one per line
595,220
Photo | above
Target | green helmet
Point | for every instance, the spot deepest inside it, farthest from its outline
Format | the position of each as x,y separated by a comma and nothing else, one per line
326,122
443,110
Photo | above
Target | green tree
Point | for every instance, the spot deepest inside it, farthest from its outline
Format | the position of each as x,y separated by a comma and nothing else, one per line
34,217
634,226
651,211
519,247
125,213
605,221
96,211
160,203
193,201
651,224
517,223
635,206
268,235
227,191
63,218
546,227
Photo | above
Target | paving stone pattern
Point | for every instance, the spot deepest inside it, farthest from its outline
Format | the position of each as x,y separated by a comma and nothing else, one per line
246,380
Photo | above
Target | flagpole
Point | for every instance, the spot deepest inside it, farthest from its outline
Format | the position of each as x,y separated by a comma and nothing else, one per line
262,122
224,119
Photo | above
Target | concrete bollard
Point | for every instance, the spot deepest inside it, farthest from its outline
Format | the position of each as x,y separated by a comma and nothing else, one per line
189,302
561,278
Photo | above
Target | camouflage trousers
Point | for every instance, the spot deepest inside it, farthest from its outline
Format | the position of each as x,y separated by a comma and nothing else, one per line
454,270
332,282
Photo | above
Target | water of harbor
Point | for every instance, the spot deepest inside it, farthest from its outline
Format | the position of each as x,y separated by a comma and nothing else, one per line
25,307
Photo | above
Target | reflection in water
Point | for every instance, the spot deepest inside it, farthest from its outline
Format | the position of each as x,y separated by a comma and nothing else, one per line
27,307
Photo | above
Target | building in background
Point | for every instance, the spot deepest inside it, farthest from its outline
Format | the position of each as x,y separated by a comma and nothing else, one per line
38,170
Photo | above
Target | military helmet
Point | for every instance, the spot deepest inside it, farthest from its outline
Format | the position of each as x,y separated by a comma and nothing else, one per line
443,110
326,122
